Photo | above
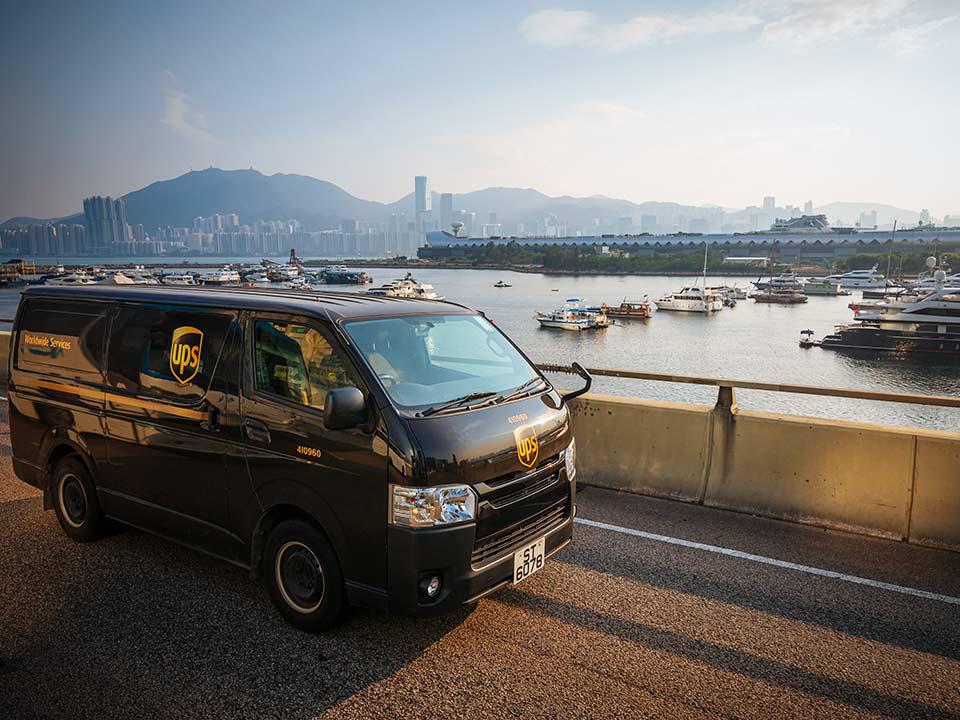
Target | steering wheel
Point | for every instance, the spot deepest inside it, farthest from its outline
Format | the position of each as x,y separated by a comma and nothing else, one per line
388,379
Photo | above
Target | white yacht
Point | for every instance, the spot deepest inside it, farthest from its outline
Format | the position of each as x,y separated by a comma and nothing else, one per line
179,279
406,287
80,277
925,324
691,299
224,276
929,283
860,278
787,281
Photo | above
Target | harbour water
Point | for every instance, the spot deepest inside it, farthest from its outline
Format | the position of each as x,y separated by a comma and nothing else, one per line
751,341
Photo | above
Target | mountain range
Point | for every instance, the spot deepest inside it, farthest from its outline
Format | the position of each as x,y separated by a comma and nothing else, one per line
319,204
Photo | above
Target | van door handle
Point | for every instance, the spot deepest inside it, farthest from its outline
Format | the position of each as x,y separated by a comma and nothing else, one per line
256,430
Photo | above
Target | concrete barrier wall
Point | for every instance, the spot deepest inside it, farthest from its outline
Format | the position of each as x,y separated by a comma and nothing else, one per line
873,479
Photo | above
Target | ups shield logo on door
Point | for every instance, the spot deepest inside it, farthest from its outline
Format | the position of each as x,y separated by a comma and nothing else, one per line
528,446
185,349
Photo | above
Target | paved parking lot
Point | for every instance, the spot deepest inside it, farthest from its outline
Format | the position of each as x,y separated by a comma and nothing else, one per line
617,625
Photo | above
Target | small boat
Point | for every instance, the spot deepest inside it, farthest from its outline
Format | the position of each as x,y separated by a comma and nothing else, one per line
823,286
501,284
637,309
178,279
574,317
781,297
784,280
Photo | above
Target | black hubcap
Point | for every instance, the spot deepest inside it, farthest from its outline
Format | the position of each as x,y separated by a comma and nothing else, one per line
301,576
74,500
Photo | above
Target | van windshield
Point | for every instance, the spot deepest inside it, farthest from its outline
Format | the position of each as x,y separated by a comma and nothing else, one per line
430,360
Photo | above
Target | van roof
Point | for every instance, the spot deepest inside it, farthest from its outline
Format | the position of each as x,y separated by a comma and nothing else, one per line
330,305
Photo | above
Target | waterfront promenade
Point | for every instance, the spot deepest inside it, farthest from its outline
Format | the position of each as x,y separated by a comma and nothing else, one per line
658,609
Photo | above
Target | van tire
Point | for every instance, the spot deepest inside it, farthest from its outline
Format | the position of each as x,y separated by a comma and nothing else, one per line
303,576
75,500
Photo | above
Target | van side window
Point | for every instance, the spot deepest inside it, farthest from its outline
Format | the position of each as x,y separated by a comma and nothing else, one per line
169,352
295,362
62,337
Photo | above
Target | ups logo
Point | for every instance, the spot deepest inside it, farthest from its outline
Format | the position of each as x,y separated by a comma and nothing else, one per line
185,349
528,446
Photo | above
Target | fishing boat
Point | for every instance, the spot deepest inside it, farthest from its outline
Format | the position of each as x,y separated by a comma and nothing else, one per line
636,309
573,316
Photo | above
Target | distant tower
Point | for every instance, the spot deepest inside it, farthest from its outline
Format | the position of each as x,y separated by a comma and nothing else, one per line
423,204
446,210
770,203
808,207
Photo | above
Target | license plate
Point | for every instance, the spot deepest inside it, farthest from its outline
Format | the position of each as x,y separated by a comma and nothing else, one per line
528,560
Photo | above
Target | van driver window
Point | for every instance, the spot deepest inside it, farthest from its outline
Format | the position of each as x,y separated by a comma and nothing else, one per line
296,362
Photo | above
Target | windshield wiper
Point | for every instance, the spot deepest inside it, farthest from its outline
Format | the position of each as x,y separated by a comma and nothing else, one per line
521,390
456,402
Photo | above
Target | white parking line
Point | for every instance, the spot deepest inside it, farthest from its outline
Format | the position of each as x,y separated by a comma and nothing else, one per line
771,561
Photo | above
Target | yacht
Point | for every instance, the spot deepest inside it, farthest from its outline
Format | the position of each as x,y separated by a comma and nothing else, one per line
80,277
925,324
406,287
178,279
780,296
224,276
691,299
784,280
929,283
860,279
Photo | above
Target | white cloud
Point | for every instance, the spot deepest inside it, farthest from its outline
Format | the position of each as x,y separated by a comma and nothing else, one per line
183,119
558,28
804,24
579,28
909,40
795,25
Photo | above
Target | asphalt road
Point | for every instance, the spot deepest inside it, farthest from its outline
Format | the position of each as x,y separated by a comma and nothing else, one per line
614,626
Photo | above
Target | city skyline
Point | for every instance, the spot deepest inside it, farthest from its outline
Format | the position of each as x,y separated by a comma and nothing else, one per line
694,102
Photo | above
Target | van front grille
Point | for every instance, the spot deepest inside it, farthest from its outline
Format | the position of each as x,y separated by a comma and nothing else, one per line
526,491
503,543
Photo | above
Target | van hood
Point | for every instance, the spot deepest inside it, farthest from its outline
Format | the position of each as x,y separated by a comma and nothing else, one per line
477,446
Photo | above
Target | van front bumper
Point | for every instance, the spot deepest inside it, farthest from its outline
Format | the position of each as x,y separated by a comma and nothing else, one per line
417,554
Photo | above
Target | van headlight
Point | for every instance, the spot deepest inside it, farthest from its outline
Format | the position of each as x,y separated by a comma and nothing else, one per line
420,507
570,459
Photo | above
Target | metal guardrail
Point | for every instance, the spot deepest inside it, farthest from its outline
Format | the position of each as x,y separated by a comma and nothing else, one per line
727,385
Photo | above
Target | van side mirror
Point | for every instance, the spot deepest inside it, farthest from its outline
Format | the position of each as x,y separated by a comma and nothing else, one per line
344,408
587,379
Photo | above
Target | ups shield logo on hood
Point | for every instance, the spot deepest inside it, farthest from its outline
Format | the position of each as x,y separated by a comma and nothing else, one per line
528,446
185,349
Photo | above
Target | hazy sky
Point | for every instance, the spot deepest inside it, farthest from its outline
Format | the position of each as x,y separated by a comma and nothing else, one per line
697,102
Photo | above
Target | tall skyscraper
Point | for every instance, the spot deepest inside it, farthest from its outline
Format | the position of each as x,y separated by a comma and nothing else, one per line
105,223
423,203
808,207
770,203
423,196
446,211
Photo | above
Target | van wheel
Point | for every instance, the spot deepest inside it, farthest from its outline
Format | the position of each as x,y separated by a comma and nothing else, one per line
75,501
303,576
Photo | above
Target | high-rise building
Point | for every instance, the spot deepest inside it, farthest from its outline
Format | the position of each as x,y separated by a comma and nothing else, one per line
423,197
808,207
105,223
423,203
770,203
924,216
648,224
446,210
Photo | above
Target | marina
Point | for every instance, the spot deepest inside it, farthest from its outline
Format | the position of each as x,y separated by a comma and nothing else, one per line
755,340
